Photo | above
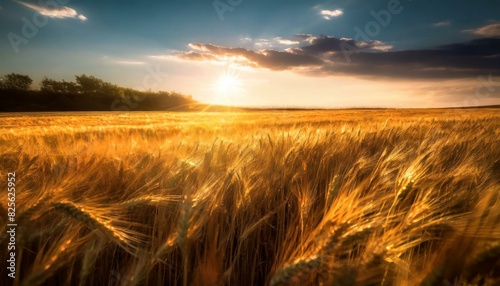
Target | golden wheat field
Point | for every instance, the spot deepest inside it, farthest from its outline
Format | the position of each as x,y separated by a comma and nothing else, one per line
350,197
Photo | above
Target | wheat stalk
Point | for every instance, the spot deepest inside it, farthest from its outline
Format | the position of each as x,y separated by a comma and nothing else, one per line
89,259
96,223
54,259
149,200
182,234
166,248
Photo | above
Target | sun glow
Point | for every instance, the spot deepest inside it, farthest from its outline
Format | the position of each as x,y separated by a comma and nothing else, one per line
228,87
228,83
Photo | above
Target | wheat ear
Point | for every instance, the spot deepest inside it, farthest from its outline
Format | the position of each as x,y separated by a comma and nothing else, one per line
95,223
285,274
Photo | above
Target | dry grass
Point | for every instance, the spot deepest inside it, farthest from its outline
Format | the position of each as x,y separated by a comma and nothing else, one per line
271,198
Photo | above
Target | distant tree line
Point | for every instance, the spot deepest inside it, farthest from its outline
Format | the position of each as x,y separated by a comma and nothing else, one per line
86,93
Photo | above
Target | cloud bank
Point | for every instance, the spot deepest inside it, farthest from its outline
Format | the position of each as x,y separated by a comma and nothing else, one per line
327,55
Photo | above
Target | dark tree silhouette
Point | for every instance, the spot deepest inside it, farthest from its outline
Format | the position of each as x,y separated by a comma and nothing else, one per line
88,83
50,85
14,81
87,93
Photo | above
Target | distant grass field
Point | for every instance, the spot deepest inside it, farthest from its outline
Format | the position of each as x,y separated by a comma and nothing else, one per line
366,197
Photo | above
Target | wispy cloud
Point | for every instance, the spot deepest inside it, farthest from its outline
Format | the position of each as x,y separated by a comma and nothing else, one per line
246,40
442,24
58,12
329,14
305,38
491,31
130,63
263,43
287,42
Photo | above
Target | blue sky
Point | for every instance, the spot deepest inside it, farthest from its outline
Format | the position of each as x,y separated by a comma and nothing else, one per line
266,53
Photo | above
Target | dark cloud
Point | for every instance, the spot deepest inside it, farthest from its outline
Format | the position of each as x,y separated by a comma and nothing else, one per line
278,60
271,59
326,55
323,44
451,61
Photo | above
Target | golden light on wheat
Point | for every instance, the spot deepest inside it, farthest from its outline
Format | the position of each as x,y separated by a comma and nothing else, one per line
267,198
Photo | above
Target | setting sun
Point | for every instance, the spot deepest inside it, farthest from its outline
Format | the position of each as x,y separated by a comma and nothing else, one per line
229,83
227,86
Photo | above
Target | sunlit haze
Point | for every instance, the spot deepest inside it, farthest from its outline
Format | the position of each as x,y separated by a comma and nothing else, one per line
322,54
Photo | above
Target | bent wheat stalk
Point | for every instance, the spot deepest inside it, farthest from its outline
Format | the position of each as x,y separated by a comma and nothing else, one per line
124,238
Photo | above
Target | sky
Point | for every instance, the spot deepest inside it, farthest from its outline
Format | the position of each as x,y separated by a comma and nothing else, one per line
279,53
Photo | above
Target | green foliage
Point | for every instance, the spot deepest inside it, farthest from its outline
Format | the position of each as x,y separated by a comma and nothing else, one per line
50,85
89,83
14,81
86,93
